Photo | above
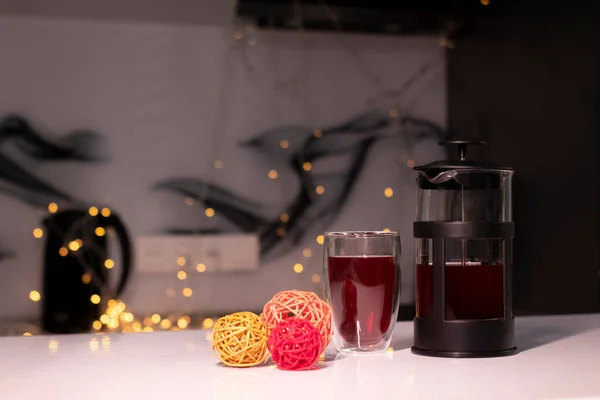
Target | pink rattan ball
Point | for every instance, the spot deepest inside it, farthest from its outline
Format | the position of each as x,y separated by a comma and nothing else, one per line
304,305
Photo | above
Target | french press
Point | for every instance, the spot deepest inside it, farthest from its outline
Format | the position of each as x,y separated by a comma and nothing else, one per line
464,232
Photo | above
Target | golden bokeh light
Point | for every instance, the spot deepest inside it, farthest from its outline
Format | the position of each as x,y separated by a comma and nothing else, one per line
105,212
165,324
74,245
410,163
393,113
284,217
34,295
93,211
86,278
209,212
26,334
155,318
485,2
182,323
207,323
95,299
136,326
108,263
181,261
272,174
200,267
298,268
100,231
63,251
147,329
181,275
113,323
38,233
307,166
186,318
388,192
318,133
386,230
316,278
111,303
280,232
187,292
320,189
284,144
105,319
52,208
306,252
97,325
320,239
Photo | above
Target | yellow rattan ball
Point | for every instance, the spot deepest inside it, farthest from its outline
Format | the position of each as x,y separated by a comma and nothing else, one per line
240,340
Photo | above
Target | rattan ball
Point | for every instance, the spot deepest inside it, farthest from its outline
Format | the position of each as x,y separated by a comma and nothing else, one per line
303,305
295,344
240,340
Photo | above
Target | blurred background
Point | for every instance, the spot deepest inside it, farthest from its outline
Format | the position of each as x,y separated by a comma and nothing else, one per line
166,162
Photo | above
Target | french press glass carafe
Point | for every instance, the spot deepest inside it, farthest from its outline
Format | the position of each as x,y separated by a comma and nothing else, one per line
464,234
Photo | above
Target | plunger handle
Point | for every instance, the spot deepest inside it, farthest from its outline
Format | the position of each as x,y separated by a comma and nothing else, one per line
462,146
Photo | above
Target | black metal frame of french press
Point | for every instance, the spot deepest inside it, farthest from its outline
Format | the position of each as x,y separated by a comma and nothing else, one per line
439,337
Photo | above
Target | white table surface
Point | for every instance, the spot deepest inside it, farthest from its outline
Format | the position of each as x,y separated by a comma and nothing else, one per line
559,359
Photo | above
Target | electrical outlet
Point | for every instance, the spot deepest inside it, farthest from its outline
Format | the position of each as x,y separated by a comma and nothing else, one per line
165,254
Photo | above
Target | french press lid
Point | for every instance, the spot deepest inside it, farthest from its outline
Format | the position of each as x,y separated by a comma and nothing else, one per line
460,172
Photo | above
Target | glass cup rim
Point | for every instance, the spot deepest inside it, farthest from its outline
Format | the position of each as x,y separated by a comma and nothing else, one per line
361,234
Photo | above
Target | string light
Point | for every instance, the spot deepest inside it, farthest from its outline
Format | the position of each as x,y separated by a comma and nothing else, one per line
306,253
34,295
189,201
52,208
272,174
95,299
181,275
74,245
298,268
218,164
200,267
105,212
187,292
209,212
320,239
93,211
207,323
38,233
307,166
284,217
182,323
284,144
318,133
86,278
108,263
63,251
165,324
97,325
316,278
113,324
100,231
320,189
388,192
155,318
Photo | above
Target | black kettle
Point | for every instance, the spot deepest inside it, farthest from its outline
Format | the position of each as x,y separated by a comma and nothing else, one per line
76,267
